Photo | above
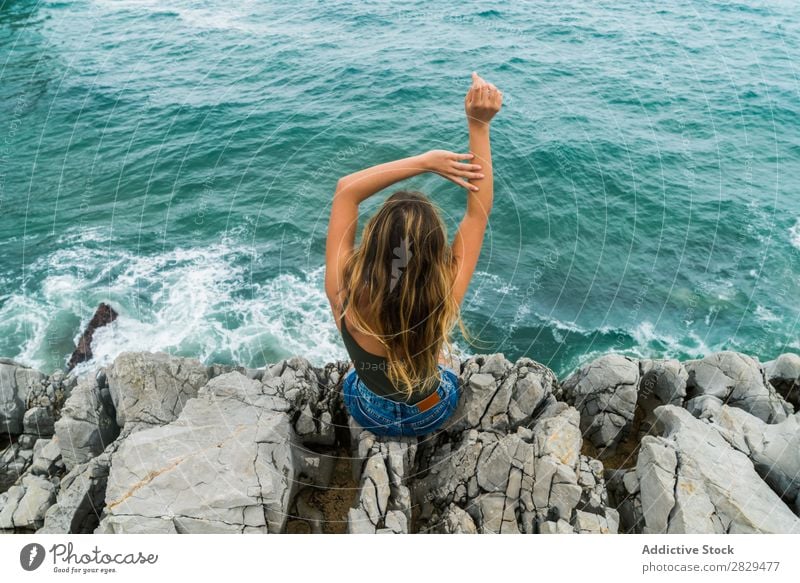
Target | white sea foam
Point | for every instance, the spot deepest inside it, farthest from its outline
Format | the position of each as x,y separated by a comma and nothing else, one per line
23,316
794,234
197,313
201,302
554,323
765,315
487,289
196,301
649,341
234,17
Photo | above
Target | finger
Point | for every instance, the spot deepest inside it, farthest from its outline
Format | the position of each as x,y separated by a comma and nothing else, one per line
460,166
465,166
454,156
462,182
464,173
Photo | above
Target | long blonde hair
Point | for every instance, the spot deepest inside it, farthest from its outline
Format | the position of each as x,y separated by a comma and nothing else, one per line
398,287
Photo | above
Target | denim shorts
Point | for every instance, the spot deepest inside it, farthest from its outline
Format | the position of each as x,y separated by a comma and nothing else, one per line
383,416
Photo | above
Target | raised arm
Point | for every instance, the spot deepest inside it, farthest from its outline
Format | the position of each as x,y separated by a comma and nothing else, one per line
482,102
354,188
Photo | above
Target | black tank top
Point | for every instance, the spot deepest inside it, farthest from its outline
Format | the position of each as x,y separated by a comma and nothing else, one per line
372,370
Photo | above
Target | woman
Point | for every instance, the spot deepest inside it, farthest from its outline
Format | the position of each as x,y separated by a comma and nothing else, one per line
397,295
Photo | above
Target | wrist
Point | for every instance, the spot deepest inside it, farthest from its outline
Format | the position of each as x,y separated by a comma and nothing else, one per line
422,161
478,126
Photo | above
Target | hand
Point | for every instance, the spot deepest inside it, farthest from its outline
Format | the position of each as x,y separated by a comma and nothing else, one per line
447,164
482,101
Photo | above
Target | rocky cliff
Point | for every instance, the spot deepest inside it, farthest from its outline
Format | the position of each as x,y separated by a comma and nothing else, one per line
161,444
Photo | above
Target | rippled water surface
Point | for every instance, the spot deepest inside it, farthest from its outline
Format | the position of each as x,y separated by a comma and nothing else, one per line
178,162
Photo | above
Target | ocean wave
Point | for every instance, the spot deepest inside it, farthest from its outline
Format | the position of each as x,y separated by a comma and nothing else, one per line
667,345
192,301
483,282
203,302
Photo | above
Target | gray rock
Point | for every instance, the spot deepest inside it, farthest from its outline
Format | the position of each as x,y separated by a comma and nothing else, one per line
737,380
375,489
396,521
86,425
704,406
631,482
499,396
225,464
509,483
559,527
311,395
358,522
46,458
26,502
605,393
714,486
594,494
661,382
9,502
493,515
151,388
655,471
774,449
456,521
81,497
624,495
254,373
231,456
305,423
38,421
783,373
16,382
495,364
217,369
383,465
148,525
664,379
591,523
26,442
12,465
40,493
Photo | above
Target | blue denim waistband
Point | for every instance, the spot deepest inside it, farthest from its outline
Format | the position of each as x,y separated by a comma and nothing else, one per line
399,407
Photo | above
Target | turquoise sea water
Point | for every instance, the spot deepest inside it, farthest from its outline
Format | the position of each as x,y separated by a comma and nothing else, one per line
178,159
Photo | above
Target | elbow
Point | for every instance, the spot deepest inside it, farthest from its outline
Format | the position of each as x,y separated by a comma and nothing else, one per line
344,191
479,214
